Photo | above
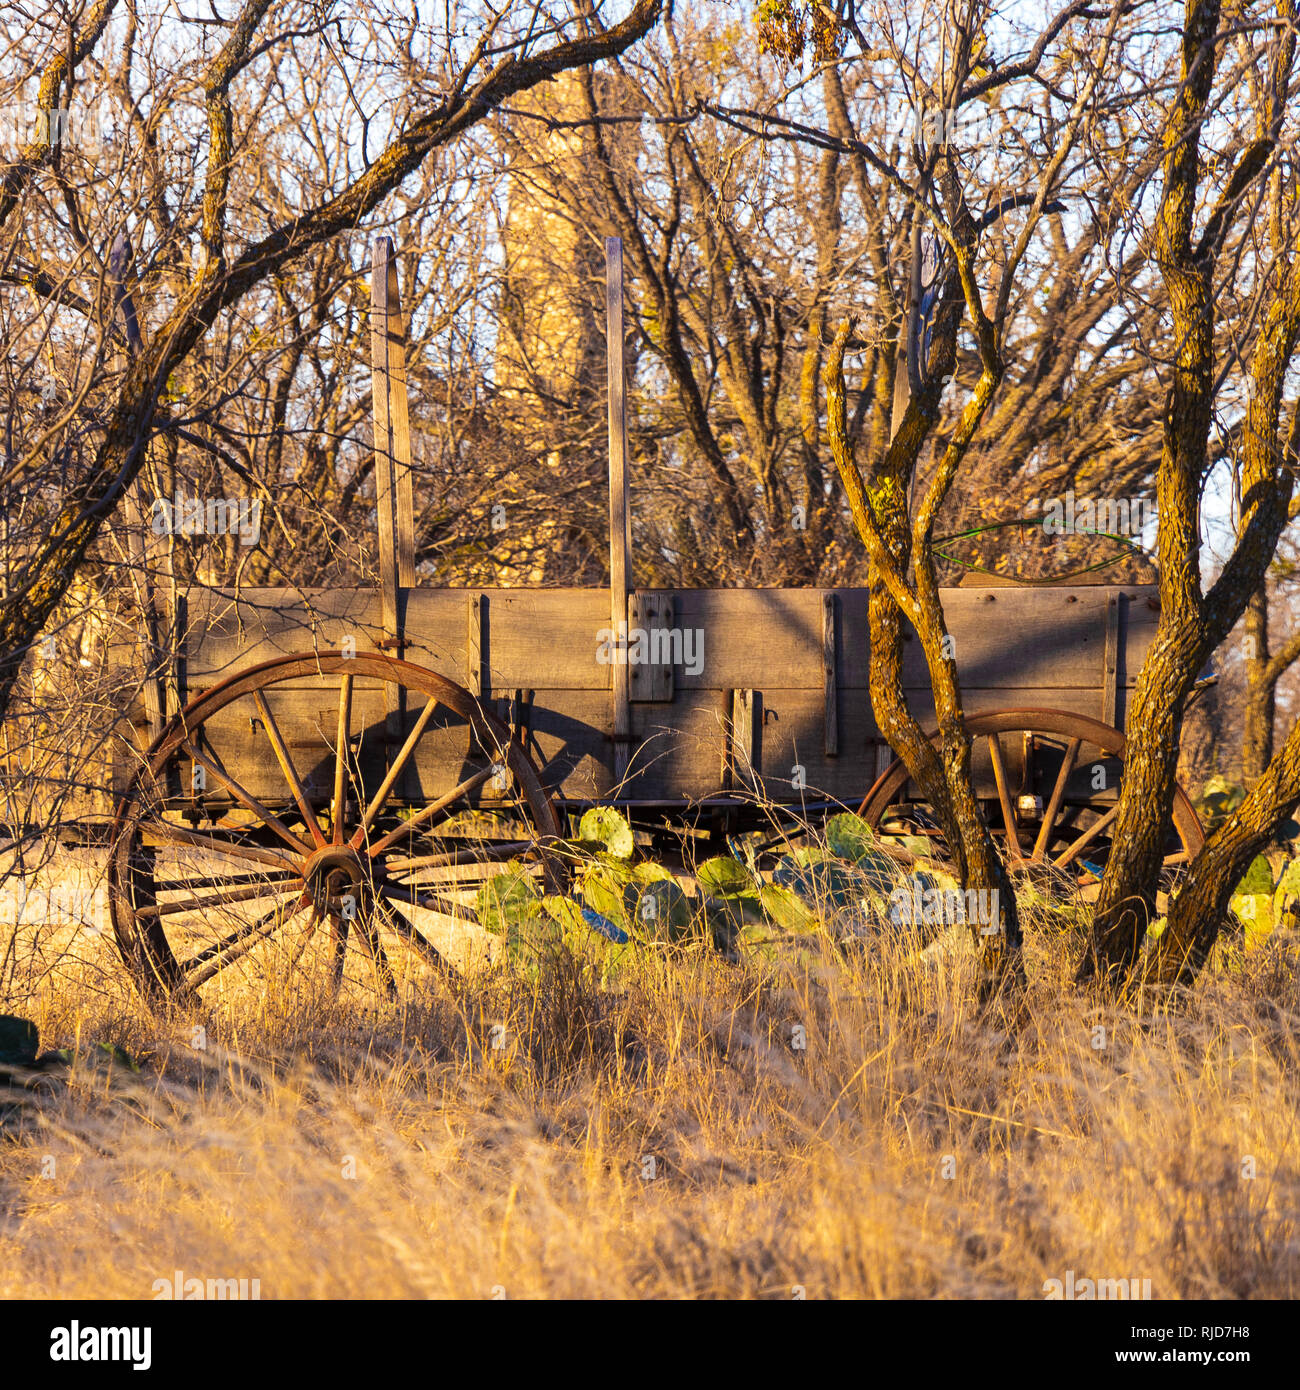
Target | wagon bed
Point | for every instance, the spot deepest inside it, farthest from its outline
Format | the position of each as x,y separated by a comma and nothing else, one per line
779,705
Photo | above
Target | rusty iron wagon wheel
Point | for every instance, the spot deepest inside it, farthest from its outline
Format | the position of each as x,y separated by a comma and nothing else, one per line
1057,777
228,856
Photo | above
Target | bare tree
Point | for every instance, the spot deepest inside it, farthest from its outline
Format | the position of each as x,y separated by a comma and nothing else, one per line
197,97
1223,161
966,254
1193,135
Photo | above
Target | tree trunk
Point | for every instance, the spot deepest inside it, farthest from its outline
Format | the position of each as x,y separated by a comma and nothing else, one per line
1126,904
1257,733
1191,624
880,511
1198,911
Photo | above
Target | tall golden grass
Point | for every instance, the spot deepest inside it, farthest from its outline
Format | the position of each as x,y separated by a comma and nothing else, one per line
671,1138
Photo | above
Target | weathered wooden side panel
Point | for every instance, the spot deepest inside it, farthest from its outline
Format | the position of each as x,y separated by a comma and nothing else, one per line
1037,639
546,639
1045,648
680,752
308,720
535,638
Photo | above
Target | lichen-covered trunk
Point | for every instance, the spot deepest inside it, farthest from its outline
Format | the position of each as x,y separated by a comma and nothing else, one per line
1197,913
1259,709
1126,905
1189,252
945,777
997,938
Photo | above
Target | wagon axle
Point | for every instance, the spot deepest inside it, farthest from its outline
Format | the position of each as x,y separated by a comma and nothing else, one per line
336,872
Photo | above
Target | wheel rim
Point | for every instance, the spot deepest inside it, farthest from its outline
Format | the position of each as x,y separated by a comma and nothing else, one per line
215,860
1063,838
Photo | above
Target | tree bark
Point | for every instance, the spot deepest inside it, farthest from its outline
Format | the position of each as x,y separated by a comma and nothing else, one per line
1197,913
1192,625
880,512
1257,731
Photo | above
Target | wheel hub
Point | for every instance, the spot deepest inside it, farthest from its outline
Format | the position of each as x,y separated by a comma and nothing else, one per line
335,872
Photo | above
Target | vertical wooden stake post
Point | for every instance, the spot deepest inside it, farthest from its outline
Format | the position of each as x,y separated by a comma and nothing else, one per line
157,660
392,459
620,516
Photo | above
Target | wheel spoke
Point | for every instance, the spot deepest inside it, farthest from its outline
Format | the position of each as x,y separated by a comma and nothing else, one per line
401,926
247,799
390,781
434,808
286,766
1058,795
462,878
190,885
1004,796
308,934
341,758
179,835
430,902
487,854
378,958
1087,837
339,942
200,969
194,904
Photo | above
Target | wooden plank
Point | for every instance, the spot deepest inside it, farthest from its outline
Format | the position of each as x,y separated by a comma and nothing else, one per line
478,670
308,723
570,742
229,634
540,638
392,441
1018,639
1110,663
142,581
392,427
271,622
690,755
830,649
620,517
652,613
726,758
1013,638
742,752
747,639
677,753
747,734
1018,642
137,529
178,681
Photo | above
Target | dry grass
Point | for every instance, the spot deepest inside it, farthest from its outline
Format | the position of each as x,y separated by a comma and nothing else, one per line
910,1150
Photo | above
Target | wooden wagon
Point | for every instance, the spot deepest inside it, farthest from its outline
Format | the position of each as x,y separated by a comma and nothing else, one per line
367,757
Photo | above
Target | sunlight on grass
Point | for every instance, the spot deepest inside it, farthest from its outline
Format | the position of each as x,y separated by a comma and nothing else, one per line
844,1127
